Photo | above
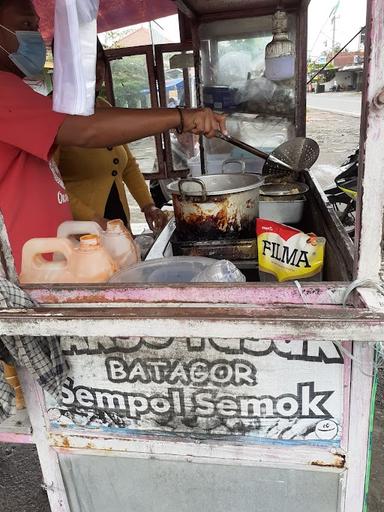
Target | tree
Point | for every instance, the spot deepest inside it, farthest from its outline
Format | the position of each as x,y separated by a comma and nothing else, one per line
130,80
325,76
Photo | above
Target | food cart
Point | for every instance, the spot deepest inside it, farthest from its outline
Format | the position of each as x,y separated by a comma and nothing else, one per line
220,396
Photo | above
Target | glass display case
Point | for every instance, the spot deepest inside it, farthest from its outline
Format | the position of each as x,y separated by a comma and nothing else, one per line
261,112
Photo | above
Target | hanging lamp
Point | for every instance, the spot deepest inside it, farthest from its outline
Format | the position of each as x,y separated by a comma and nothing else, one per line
280,53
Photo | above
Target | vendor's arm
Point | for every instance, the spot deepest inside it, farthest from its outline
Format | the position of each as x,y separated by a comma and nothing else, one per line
137,186
116,126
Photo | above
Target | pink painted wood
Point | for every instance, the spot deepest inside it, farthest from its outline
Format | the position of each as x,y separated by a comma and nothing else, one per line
12,438
370,212
347,395
314,294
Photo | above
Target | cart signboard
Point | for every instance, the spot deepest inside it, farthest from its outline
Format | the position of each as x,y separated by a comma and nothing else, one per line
287,391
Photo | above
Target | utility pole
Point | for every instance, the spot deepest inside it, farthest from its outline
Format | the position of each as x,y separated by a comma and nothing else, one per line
334,32
333,18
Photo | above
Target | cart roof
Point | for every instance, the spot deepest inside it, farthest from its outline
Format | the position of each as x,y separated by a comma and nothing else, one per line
113,14
206,7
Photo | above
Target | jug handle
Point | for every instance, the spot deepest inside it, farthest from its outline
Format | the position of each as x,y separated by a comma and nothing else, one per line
38,246
86,227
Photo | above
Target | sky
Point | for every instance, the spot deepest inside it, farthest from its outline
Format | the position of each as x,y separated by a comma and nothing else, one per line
350,18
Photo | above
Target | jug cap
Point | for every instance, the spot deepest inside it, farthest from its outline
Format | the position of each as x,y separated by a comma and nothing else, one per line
89,242
116,226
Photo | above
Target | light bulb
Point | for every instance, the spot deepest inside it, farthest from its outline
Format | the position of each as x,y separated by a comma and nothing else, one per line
279,53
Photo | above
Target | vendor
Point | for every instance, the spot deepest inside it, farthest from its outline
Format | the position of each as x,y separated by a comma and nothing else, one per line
95,178
33,199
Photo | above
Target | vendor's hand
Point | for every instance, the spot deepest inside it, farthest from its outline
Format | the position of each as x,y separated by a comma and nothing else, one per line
203,121
155,218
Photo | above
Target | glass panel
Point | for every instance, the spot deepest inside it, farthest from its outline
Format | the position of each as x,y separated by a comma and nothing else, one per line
180,90
260,112
131,89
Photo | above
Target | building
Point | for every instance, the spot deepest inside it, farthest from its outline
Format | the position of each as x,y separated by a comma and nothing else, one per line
348,59
142,36
347,74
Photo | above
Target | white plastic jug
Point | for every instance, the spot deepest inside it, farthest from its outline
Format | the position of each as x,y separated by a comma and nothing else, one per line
89,262
116,239
119,243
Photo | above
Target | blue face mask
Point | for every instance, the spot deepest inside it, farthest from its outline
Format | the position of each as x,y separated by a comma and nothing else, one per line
31,54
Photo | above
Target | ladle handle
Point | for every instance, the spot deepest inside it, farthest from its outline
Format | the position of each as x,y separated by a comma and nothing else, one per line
242,145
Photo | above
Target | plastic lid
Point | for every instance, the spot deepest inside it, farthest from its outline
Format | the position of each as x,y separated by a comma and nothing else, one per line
89,242
115,226
175,269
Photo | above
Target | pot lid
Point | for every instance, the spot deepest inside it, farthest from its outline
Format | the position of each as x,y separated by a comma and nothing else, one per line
284,189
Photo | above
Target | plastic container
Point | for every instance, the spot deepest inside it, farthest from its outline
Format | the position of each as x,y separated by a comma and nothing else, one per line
280,210
120,244
144,242
214,162
194,165
87,263
219,97
222,271
252,165
116,239
176,269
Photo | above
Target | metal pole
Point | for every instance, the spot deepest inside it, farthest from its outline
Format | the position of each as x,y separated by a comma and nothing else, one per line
333,32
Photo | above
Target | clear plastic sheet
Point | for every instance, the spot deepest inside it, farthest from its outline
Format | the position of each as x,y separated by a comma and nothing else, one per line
75,56
222,271
262,96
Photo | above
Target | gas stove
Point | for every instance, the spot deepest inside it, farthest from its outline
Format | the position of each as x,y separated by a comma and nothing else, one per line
242,253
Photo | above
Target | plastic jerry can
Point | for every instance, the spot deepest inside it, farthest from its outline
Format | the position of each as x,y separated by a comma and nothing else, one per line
88,262
116,239
119,243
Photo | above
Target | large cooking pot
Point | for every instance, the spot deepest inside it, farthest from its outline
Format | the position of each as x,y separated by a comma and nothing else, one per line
216,206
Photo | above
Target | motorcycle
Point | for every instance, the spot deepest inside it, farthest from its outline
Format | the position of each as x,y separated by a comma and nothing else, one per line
343,195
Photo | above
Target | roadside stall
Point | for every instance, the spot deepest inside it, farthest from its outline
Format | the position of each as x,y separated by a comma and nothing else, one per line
221,395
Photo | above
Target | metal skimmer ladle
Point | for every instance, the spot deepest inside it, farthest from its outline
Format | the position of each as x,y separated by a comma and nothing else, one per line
294,155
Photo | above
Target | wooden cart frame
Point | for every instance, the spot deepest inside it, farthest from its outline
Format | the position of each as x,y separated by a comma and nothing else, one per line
314,313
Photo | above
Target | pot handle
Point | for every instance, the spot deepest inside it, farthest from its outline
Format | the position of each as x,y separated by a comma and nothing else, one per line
234,161
193,180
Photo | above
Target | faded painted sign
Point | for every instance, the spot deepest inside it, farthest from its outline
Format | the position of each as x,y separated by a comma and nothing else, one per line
258,389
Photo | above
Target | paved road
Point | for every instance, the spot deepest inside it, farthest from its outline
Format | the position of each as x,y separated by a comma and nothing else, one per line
348,103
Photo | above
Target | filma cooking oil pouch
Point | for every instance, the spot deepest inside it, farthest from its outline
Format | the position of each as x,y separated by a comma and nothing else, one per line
287,253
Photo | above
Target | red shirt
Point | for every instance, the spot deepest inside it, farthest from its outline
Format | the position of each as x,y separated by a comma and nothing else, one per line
32,196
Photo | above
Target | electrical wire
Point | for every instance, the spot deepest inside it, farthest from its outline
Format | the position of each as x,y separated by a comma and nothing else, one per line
379,359
379,346
336,54
318,36
321,29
